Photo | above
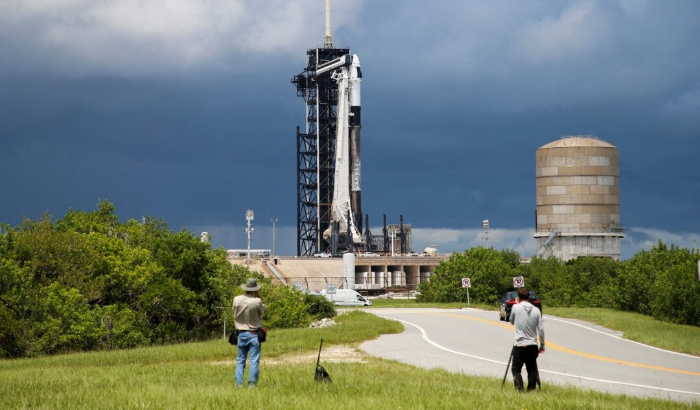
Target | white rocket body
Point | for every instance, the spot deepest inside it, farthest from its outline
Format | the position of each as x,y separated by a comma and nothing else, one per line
355,124
346,207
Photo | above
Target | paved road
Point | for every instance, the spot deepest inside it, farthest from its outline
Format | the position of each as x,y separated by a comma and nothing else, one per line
579,354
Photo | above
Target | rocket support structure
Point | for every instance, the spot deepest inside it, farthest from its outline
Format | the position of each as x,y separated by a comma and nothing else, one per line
329,183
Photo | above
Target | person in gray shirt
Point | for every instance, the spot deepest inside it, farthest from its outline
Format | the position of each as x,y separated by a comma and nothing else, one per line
248,310
527,320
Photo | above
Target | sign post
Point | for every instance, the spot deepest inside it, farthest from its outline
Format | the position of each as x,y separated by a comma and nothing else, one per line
330,290
518,282
467,283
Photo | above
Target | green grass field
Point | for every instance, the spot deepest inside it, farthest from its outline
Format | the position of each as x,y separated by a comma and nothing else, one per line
200,376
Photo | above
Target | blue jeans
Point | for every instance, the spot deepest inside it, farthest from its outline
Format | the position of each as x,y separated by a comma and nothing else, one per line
248,343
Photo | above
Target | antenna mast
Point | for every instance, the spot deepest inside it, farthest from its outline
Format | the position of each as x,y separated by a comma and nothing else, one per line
328,38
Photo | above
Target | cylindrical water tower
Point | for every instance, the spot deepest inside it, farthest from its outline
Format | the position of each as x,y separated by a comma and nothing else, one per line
578,199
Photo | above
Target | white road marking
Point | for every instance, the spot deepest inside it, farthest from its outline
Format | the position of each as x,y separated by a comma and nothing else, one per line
557,319
427,339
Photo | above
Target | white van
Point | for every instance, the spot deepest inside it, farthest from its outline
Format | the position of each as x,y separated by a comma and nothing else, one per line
346,297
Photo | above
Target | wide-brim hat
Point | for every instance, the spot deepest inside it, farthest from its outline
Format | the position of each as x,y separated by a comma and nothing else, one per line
251,285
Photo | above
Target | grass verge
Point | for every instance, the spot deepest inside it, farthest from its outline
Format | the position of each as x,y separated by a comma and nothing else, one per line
411,303
638,327
200,376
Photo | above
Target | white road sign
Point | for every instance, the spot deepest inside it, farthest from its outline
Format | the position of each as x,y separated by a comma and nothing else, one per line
518,282
466,283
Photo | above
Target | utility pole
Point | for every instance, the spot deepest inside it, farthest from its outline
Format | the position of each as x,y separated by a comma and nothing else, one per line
249,217
485,237
274,221
392,235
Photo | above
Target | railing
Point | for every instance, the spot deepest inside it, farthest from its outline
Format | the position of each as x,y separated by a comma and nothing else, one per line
612,228
274,271
545,246
550,238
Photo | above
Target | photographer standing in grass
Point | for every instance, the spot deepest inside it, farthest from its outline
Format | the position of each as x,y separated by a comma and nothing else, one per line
248,310
527,320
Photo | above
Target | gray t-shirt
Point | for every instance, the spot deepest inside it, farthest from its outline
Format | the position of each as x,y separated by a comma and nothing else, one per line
527,320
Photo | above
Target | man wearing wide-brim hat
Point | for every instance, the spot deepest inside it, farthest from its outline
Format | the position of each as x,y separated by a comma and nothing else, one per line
248,310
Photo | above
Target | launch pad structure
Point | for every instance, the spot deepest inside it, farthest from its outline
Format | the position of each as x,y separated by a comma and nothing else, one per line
329,205
329,191
316,151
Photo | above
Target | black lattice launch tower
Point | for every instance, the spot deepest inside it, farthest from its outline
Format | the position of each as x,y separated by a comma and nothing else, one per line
316,150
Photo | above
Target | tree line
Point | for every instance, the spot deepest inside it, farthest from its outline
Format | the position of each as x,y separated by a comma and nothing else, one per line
661,282
89,282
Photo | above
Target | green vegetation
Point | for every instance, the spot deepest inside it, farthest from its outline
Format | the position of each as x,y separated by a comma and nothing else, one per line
488,270
89,282
661,283
200,375
413,303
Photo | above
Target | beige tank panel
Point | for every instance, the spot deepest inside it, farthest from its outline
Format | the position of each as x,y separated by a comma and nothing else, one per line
578,141
577,186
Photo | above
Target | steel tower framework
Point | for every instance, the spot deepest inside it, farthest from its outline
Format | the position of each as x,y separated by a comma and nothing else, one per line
316,151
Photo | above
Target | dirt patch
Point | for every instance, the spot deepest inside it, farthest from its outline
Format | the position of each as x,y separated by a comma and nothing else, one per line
331,354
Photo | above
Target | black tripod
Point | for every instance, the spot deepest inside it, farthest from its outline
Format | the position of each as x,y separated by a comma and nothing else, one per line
321,373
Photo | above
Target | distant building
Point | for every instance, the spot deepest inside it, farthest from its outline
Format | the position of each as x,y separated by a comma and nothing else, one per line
254,253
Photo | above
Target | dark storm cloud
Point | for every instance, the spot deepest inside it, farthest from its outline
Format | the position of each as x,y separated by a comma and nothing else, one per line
184,110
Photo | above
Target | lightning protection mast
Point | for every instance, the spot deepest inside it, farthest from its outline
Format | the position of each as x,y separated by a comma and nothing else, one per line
249,216
316,146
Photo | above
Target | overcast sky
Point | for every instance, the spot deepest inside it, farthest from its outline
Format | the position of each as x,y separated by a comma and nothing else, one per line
183,110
